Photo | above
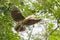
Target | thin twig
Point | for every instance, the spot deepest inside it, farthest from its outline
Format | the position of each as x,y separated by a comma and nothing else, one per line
30,33
46,33
55,28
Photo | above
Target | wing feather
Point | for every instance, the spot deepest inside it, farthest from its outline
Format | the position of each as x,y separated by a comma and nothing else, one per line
16,15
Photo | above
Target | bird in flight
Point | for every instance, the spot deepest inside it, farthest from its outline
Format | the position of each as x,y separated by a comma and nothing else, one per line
18,17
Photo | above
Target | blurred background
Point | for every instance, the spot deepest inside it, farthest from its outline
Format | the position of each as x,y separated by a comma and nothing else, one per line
47,10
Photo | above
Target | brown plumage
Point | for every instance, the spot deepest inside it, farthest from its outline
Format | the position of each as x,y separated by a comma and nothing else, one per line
31,21
20,28
18,17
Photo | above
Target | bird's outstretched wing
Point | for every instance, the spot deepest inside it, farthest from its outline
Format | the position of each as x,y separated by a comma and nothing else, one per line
16,15
30,20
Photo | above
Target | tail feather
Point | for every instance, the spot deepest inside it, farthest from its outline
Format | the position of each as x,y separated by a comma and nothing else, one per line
20,28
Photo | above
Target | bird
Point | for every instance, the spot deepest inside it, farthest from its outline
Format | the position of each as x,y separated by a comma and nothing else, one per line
23,21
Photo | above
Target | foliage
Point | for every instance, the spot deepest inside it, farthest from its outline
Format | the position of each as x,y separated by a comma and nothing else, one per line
49,8
6,23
